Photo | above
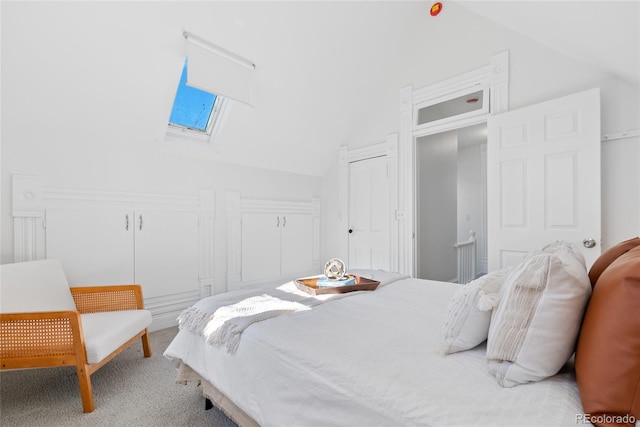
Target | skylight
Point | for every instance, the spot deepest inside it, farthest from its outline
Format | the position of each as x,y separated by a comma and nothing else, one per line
193,109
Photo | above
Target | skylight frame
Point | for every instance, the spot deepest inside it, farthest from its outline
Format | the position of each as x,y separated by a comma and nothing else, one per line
214,122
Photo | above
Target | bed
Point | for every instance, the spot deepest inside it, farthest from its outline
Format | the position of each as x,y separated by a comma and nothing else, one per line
378,358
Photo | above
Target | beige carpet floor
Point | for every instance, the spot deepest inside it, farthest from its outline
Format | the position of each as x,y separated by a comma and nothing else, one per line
129,391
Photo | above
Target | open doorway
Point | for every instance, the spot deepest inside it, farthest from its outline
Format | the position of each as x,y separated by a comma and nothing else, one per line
493,79
451,178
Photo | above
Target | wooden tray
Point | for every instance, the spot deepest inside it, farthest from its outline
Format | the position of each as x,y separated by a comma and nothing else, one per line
310,285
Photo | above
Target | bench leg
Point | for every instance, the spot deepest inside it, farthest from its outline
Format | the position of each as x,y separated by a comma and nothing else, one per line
84,379
146,344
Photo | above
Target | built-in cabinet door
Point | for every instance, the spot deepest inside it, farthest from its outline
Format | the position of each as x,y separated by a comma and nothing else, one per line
95,247
295,244
166,252
260,238
155,248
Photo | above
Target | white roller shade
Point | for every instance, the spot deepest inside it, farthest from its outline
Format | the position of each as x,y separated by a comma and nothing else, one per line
216,70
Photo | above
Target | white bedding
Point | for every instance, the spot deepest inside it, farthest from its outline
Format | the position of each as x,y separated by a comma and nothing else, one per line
371,359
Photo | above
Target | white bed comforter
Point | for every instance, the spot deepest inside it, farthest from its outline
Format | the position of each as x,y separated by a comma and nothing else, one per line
372,359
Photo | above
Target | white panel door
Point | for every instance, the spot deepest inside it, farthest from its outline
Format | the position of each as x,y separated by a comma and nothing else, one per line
260,245
369,214
94,246
166,252
543,178
295,245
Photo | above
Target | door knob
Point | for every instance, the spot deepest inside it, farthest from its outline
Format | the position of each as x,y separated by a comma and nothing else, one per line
589,243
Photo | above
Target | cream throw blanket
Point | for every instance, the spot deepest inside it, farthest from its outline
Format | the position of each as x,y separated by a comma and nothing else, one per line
221,319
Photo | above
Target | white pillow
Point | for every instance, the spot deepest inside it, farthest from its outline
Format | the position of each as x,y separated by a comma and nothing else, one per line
534,328
563,247
466,321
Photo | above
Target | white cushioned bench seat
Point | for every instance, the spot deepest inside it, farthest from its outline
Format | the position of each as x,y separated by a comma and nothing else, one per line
45,323
105,332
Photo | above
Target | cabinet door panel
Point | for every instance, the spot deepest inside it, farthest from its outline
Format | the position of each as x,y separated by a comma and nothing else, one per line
260,246
94,246
166,252
296,248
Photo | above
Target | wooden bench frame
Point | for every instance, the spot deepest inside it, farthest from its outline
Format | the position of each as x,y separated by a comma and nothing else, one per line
51,339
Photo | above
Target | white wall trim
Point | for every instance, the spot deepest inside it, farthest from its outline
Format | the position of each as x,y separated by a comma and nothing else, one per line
234,240
369,152
343,203
206,242
31,199
274,206
406,192
495,78
316,207
482,264
468,82
449,125
394,215
165,309
28,218
70,197
499,83
621,135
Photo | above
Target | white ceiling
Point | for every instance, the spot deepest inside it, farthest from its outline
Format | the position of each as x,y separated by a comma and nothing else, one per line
323,68
603,34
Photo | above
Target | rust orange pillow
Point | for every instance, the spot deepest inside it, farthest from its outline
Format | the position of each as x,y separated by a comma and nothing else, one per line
609,256
608,352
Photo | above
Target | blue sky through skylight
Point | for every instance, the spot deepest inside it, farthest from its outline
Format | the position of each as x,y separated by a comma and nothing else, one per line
191,107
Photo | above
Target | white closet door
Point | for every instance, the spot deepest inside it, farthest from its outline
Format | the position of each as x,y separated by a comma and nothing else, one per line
369,214
166,252
296,245
94,246
260,256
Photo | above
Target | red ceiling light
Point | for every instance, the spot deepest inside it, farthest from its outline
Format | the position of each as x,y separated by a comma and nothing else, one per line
436,9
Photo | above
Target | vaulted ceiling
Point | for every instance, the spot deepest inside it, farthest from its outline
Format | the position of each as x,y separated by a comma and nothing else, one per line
101,72
598,33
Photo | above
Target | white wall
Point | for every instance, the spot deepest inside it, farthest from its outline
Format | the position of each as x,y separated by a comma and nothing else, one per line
469,191
471,199
330,224
620,190
73,115
437,159
154,174
462,42
125,152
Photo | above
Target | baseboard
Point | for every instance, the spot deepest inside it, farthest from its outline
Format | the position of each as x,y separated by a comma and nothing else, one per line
164,320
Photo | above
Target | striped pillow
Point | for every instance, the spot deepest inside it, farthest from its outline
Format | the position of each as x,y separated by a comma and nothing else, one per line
534,328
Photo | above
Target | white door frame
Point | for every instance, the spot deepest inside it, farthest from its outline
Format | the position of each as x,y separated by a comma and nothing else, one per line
389,148
494,78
